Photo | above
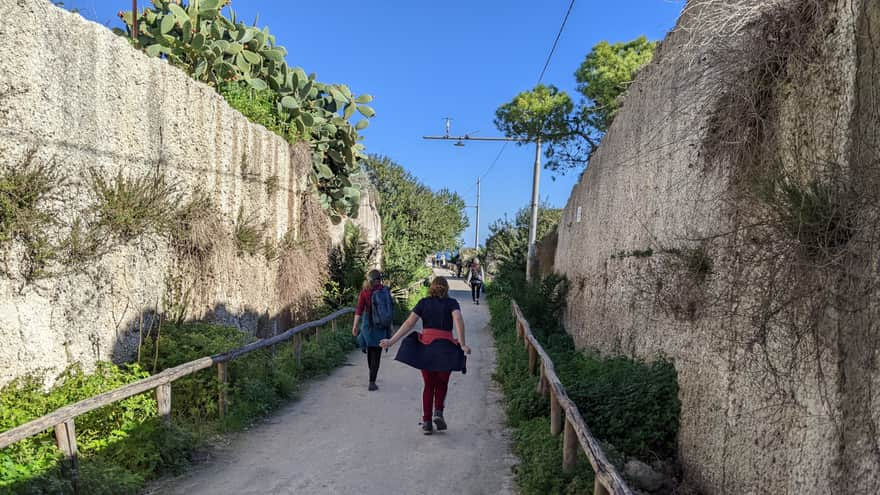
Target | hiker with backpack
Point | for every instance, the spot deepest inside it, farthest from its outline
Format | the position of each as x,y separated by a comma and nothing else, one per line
434,351
475,280
374,312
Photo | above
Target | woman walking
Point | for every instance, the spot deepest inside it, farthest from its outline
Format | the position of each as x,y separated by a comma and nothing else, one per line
369,334
475,280
435,351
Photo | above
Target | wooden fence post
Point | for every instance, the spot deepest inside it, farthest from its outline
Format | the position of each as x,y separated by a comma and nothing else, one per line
65,439
543,384
599,488
569,446
297,347
333,327
163,400
318,334
555,414
222,402
533,358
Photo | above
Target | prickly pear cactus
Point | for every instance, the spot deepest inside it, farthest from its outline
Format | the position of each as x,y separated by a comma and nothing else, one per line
219,50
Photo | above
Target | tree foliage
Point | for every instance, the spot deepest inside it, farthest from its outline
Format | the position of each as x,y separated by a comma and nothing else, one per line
606,74
508,239
537,113
603,78
416,221
573,132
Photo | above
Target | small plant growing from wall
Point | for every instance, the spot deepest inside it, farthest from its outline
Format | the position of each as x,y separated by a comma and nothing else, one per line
127,208
272,185
248,233
197,228
25,189
814,215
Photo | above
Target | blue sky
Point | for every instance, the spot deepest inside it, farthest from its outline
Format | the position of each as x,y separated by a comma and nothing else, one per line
423,61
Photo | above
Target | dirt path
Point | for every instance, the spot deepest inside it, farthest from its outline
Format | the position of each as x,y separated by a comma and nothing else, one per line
341,439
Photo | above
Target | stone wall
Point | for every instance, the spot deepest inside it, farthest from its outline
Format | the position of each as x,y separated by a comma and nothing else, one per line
672,254
85,103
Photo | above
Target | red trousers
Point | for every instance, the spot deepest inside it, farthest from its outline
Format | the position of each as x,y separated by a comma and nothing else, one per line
436,384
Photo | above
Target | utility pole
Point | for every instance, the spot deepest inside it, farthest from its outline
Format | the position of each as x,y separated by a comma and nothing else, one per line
533,225
477,230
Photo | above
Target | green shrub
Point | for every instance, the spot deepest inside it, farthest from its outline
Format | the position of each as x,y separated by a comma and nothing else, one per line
349,263
540,470
195,396
130,207
124,444
258,106
257,383
632,407
31,465
630,404
25,188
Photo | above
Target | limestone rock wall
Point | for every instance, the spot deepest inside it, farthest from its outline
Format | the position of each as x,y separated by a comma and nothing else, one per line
85,104
678,242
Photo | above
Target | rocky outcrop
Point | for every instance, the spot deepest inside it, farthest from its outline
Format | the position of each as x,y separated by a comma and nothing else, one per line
729,222
367,220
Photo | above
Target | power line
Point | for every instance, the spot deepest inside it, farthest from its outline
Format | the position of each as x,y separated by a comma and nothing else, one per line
555,42
540,78
497,157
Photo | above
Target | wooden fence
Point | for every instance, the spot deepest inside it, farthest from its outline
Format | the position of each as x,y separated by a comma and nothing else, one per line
565,417
63,419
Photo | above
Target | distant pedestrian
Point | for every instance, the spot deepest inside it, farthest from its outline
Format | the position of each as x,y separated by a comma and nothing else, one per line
475,280
435,351
373,312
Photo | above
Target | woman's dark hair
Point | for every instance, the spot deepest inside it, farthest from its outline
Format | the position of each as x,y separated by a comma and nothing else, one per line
439,288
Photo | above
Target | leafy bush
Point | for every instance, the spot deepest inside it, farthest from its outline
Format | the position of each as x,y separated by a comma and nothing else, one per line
415,219
631,406
349,263
31,465
508,239
258,382
540,470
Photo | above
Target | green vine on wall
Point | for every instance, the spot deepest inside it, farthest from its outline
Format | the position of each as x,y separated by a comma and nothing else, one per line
247,67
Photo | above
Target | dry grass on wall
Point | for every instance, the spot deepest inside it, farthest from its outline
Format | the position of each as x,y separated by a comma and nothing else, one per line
302,268
793,274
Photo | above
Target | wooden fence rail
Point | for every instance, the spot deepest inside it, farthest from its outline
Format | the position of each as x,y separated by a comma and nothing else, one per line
565,417
63,419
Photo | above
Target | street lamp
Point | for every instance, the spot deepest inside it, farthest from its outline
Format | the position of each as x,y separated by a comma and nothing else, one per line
536,178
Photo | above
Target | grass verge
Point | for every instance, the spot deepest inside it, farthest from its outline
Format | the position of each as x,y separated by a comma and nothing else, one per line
124,445
632,407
